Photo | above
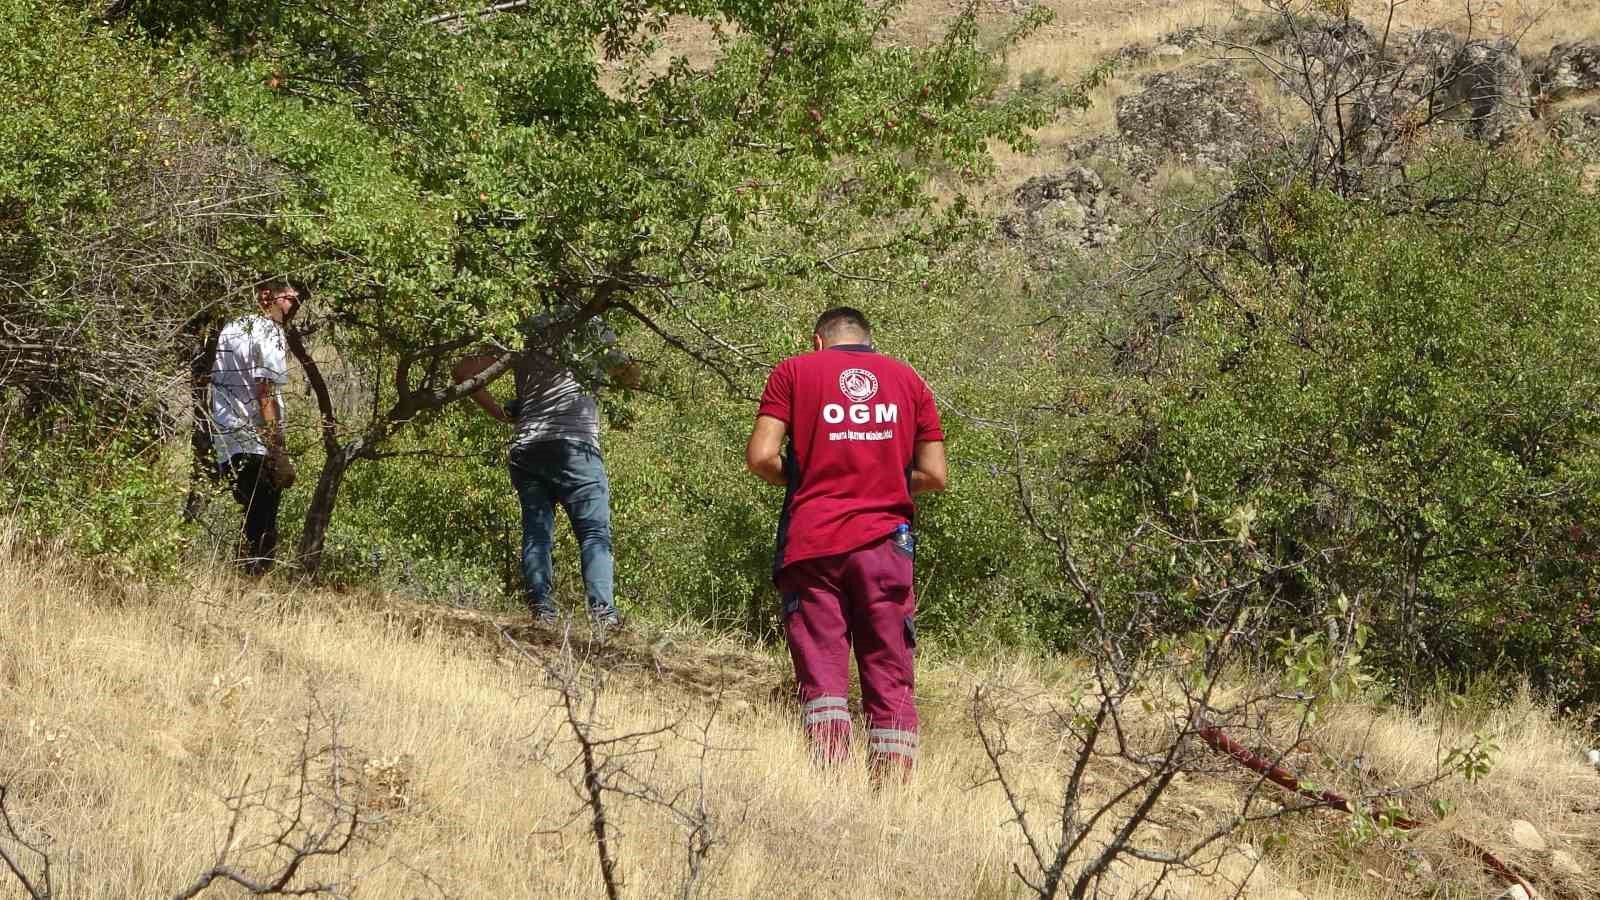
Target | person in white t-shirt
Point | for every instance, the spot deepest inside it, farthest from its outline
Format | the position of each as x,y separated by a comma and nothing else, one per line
247,376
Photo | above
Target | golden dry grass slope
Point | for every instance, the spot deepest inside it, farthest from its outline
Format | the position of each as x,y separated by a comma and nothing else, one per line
1083,33
128,713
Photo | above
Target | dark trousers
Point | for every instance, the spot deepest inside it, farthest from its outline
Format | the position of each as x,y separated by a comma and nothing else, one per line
260,499
862,599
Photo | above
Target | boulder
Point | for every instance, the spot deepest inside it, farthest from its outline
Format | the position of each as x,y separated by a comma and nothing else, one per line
1578,132
1067,210
1202,114
1112,149
1171,46
1423,61
1564,863
1487,77
1185,38
1571,69
1526,836
1385,123
1334,53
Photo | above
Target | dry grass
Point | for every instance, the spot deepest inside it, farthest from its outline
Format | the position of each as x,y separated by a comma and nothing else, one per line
1087,31
127,713
1084,32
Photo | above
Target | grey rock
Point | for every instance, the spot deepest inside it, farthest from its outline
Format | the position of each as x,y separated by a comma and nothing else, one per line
1384,123
1525,835
1571,69
1185,38
1112,148
1171,46
1578,132
1489,79
1331,51
1423,61
1202,114
1067,210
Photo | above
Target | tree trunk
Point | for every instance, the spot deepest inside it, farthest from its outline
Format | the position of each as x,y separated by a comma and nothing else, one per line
319,515
337,458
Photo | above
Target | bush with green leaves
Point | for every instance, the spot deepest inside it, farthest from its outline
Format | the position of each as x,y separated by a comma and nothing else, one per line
1398,395
108,494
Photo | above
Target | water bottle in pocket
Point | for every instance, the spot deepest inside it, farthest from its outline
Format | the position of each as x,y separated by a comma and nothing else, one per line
904,540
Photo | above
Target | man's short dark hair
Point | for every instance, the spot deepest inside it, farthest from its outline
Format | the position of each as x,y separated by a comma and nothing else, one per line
840,319
273,285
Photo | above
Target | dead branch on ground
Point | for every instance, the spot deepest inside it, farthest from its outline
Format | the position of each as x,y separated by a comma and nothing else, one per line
315,816
38,886
605,766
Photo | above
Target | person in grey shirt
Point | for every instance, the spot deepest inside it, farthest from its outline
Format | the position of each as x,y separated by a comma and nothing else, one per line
555,459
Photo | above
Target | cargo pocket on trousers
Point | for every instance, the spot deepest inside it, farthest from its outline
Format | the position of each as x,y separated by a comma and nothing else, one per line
911,631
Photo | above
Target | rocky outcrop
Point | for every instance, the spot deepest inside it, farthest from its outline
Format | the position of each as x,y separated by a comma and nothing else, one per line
1205,115
1570,70
1423,61
1171,46
1333,53
1069,210
1487,77
1578,131
1384,123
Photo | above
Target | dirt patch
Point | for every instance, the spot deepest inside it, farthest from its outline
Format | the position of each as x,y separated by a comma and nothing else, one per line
649,657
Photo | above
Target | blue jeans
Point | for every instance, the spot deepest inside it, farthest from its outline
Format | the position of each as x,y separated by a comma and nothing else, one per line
572,474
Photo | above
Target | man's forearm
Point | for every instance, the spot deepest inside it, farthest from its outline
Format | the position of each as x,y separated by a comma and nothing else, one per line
763,455
770,470
470,368
928,467
271,416
488,404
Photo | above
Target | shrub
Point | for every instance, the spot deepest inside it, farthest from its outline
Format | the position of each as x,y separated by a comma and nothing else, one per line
1399,392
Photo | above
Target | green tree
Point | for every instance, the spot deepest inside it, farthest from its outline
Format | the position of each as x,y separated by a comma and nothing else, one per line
455,173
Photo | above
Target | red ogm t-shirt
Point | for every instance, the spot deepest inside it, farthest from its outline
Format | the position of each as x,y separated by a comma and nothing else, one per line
854,417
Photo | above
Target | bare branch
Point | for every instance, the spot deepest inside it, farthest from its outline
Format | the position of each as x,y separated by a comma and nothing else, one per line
38,887
317,818
442,18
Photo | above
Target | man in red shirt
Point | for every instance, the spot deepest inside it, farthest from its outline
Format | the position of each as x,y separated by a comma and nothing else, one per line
863,437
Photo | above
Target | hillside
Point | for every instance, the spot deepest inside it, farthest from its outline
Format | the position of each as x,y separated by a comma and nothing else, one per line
133,712
1287,432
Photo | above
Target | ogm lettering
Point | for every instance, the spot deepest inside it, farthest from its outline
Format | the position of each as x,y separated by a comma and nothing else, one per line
860,414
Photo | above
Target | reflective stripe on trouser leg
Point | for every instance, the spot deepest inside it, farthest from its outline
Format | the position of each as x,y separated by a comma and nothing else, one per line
892,742
827,726
819,643
891,754
825,709
880,577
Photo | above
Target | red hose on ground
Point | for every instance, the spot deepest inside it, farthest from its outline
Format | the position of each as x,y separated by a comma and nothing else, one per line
1218,740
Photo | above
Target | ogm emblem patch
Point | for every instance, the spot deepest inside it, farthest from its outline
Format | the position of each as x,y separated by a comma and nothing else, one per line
858,385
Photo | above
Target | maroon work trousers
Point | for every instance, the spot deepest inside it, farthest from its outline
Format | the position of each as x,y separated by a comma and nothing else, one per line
862,598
